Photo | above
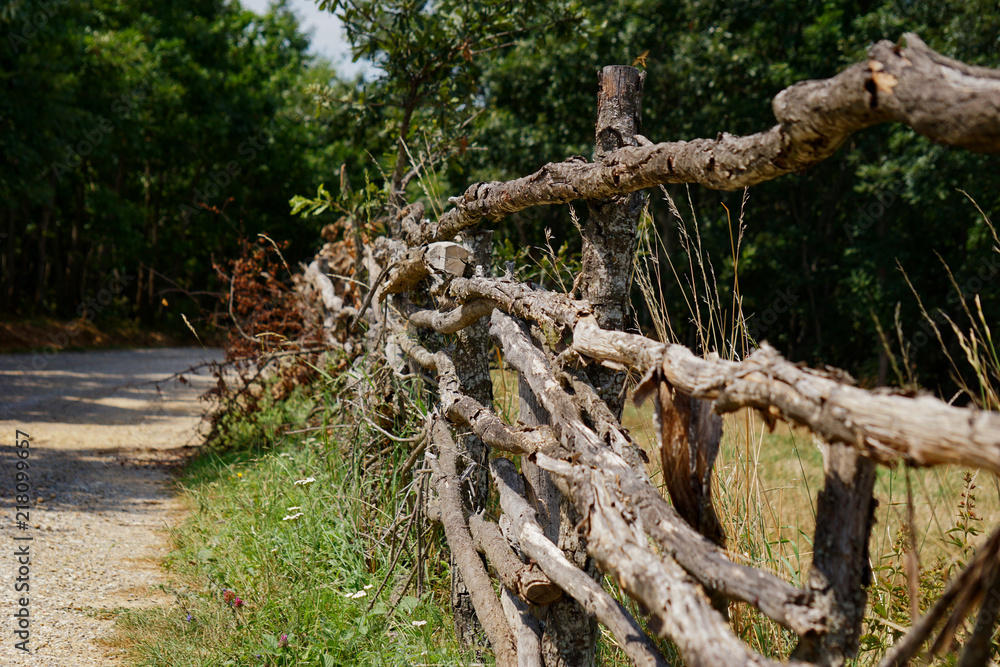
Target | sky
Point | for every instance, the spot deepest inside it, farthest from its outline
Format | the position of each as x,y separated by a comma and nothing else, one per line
327,36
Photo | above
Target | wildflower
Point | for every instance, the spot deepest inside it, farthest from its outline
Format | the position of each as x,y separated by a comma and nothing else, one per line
283,641
417,624
190,618
359,594
292,517
239,474
238,602
305,482
227,595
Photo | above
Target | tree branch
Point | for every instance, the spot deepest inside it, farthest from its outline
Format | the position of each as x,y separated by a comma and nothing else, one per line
943,99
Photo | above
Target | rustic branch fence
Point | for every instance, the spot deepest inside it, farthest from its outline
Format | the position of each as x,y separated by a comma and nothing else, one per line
584,504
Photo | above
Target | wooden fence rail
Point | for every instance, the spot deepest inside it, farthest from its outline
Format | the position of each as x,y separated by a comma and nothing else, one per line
607,517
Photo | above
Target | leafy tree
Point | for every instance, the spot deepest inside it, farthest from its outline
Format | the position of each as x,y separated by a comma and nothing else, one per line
143,139
812,247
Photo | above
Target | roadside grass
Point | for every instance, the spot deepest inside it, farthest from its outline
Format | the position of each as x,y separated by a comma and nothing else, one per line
286,545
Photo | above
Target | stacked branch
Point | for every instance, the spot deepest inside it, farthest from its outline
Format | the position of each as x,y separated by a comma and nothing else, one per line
670,558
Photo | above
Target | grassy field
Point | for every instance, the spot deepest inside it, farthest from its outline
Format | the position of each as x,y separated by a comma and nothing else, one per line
290,556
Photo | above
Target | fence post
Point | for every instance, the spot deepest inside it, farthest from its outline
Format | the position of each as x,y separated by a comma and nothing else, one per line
609,241
471,357
840,573
610,235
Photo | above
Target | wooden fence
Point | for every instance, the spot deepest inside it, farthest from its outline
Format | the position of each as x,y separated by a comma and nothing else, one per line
582,502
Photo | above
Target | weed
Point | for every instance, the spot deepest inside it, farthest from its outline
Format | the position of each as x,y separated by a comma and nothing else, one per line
288,543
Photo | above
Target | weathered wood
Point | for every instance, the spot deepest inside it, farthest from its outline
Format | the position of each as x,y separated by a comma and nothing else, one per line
840,572
678,608
448,322
605,423
472,368
688,434
527,634
942,99
463,409
552,311
609,239
776,598
921,429
418,263
570,578
528,582
610,234
544,497
450,258
474,574
408,220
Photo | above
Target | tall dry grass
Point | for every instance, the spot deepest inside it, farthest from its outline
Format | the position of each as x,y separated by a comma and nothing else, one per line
766,482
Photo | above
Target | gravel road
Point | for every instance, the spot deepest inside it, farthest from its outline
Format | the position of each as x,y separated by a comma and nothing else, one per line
103,438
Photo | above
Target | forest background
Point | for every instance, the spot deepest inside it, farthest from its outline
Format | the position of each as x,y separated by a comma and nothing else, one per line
142,142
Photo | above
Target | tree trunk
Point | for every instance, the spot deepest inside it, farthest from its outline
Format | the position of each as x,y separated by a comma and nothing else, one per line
609,241
472,366
609,238
840,568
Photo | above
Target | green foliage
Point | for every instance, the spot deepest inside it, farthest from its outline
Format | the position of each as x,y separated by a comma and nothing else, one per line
830,238
146,138
292,526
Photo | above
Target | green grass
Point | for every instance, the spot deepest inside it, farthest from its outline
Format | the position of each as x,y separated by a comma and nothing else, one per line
305,557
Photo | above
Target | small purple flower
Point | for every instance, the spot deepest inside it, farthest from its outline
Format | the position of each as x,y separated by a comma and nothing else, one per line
237,602
283,641
190,618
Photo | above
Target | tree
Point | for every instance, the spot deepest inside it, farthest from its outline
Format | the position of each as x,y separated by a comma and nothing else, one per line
141,140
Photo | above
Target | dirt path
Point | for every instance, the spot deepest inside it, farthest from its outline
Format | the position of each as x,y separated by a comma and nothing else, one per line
102,442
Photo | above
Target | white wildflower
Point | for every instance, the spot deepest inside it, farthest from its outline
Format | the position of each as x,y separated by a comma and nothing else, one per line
305,482
292,517
417,624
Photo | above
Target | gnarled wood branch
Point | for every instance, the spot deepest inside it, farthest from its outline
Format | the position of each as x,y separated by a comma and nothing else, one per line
444,322
943,99
570,578
921,429
779,600
679,608
527,581
474,574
